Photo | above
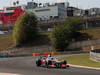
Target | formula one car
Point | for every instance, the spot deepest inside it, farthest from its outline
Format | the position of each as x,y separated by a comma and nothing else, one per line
53,63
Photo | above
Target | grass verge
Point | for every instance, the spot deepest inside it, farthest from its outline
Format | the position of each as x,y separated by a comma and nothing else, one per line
81,60
5,42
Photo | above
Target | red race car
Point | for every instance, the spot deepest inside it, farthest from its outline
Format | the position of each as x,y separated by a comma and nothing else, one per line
51,62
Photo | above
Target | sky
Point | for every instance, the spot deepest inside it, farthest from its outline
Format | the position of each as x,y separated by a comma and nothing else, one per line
84,4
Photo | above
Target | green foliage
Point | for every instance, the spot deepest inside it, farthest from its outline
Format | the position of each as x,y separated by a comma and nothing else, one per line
63,35
76,22
25,29
60,37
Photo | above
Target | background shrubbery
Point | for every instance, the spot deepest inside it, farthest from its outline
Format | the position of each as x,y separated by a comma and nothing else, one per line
25,29
63,35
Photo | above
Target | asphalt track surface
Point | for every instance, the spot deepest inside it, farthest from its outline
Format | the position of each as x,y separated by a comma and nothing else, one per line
26,66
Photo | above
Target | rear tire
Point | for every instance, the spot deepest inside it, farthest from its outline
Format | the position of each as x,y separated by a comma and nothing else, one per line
38,63
65,62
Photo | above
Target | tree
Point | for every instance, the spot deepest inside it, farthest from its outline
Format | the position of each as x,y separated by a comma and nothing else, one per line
63,35
25,29
60,37
76,22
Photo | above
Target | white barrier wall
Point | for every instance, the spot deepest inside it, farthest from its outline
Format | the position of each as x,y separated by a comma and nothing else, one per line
84,43
95,56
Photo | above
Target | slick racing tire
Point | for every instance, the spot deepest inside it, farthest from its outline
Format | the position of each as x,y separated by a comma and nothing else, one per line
38,63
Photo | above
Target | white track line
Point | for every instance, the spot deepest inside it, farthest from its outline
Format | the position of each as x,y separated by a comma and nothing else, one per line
84,67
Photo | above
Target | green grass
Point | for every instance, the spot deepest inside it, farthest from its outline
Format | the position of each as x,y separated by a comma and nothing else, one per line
5,42
81,60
